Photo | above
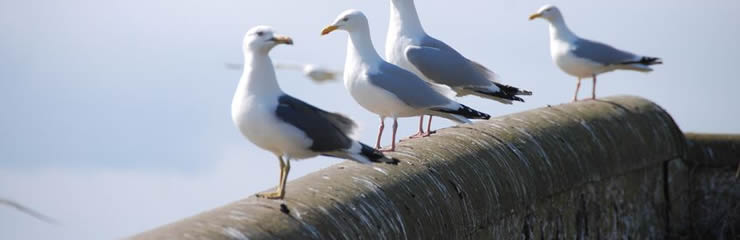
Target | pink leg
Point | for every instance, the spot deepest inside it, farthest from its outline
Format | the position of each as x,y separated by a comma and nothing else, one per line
393,143
578,87
429,127
380,132
421,131
593,90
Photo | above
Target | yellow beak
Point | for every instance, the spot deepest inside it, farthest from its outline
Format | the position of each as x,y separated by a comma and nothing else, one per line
533,16
328,30
282,40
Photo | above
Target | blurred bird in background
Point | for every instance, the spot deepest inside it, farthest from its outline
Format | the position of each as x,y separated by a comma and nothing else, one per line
27,210
314,72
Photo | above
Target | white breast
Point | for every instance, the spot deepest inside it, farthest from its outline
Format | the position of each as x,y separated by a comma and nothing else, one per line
376,99
396,49
578,67
257,121
399,58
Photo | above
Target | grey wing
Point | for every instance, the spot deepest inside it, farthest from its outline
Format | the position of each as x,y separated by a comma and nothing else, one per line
408,87
329,131
601,53
442,64
490,75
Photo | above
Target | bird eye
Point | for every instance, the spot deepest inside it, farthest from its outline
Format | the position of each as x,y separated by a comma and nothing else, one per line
345,19
260,33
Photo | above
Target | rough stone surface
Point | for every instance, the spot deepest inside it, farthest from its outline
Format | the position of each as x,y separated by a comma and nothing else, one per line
589,170
714,198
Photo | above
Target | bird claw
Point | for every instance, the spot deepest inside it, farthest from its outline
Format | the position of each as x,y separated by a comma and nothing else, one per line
416,135
420,135
271,195
385,150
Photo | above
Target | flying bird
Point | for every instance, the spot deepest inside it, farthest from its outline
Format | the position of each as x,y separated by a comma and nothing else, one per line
410,47
286,126
316,73
584,58
386,89
27,210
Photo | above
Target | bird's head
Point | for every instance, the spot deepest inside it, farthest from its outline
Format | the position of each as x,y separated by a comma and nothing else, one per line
548,12
262,39
349,20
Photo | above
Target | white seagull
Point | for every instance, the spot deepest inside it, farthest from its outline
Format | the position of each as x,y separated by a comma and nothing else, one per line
408,46
386,89
288,127
584,58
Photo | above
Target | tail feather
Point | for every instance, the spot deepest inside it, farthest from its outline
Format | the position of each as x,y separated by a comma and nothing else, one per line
498,96
376,156
642,65
362,153
502,93
511,90
464,111
645,61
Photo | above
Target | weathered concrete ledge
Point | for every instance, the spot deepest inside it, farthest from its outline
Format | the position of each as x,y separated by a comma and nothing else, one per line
713,150
713,199
593,169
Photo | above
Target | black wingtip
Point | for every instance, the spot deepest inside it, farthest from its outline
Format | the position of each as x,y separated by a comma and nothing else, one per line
651,60
513,91
466,112
376,156
646,61
506,92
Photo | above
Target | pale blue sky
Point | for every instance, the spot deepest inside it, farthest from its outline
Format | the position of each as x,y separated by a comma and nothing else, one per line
120,110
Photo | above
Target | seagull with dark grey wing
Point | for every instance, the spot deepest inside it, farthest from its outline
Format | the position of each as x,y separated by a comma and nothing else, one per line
288,127
584,58
408,46
386,89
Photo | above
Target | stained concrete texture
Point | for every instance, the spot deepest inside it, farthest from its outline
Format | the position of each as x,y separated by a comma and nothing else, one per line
604,169
714,197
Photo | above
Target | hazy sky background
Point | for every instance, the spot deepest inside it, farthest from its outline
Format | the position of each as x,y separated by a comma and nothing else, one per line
115,115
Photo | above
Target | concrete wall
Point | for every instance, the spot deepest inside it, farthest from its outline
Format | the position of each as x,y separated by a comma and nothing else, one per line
713,201
606,169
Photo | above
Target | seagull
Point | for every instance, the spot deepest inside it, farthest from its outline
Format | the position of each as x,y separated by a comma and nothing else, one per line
316,73
27,210
408,46
286,126
386,89
584,58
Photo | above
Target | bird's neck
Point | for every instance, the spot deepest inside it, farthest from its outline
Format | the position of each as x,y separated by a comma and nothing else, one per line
404,20
559,30
360,48
258,78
